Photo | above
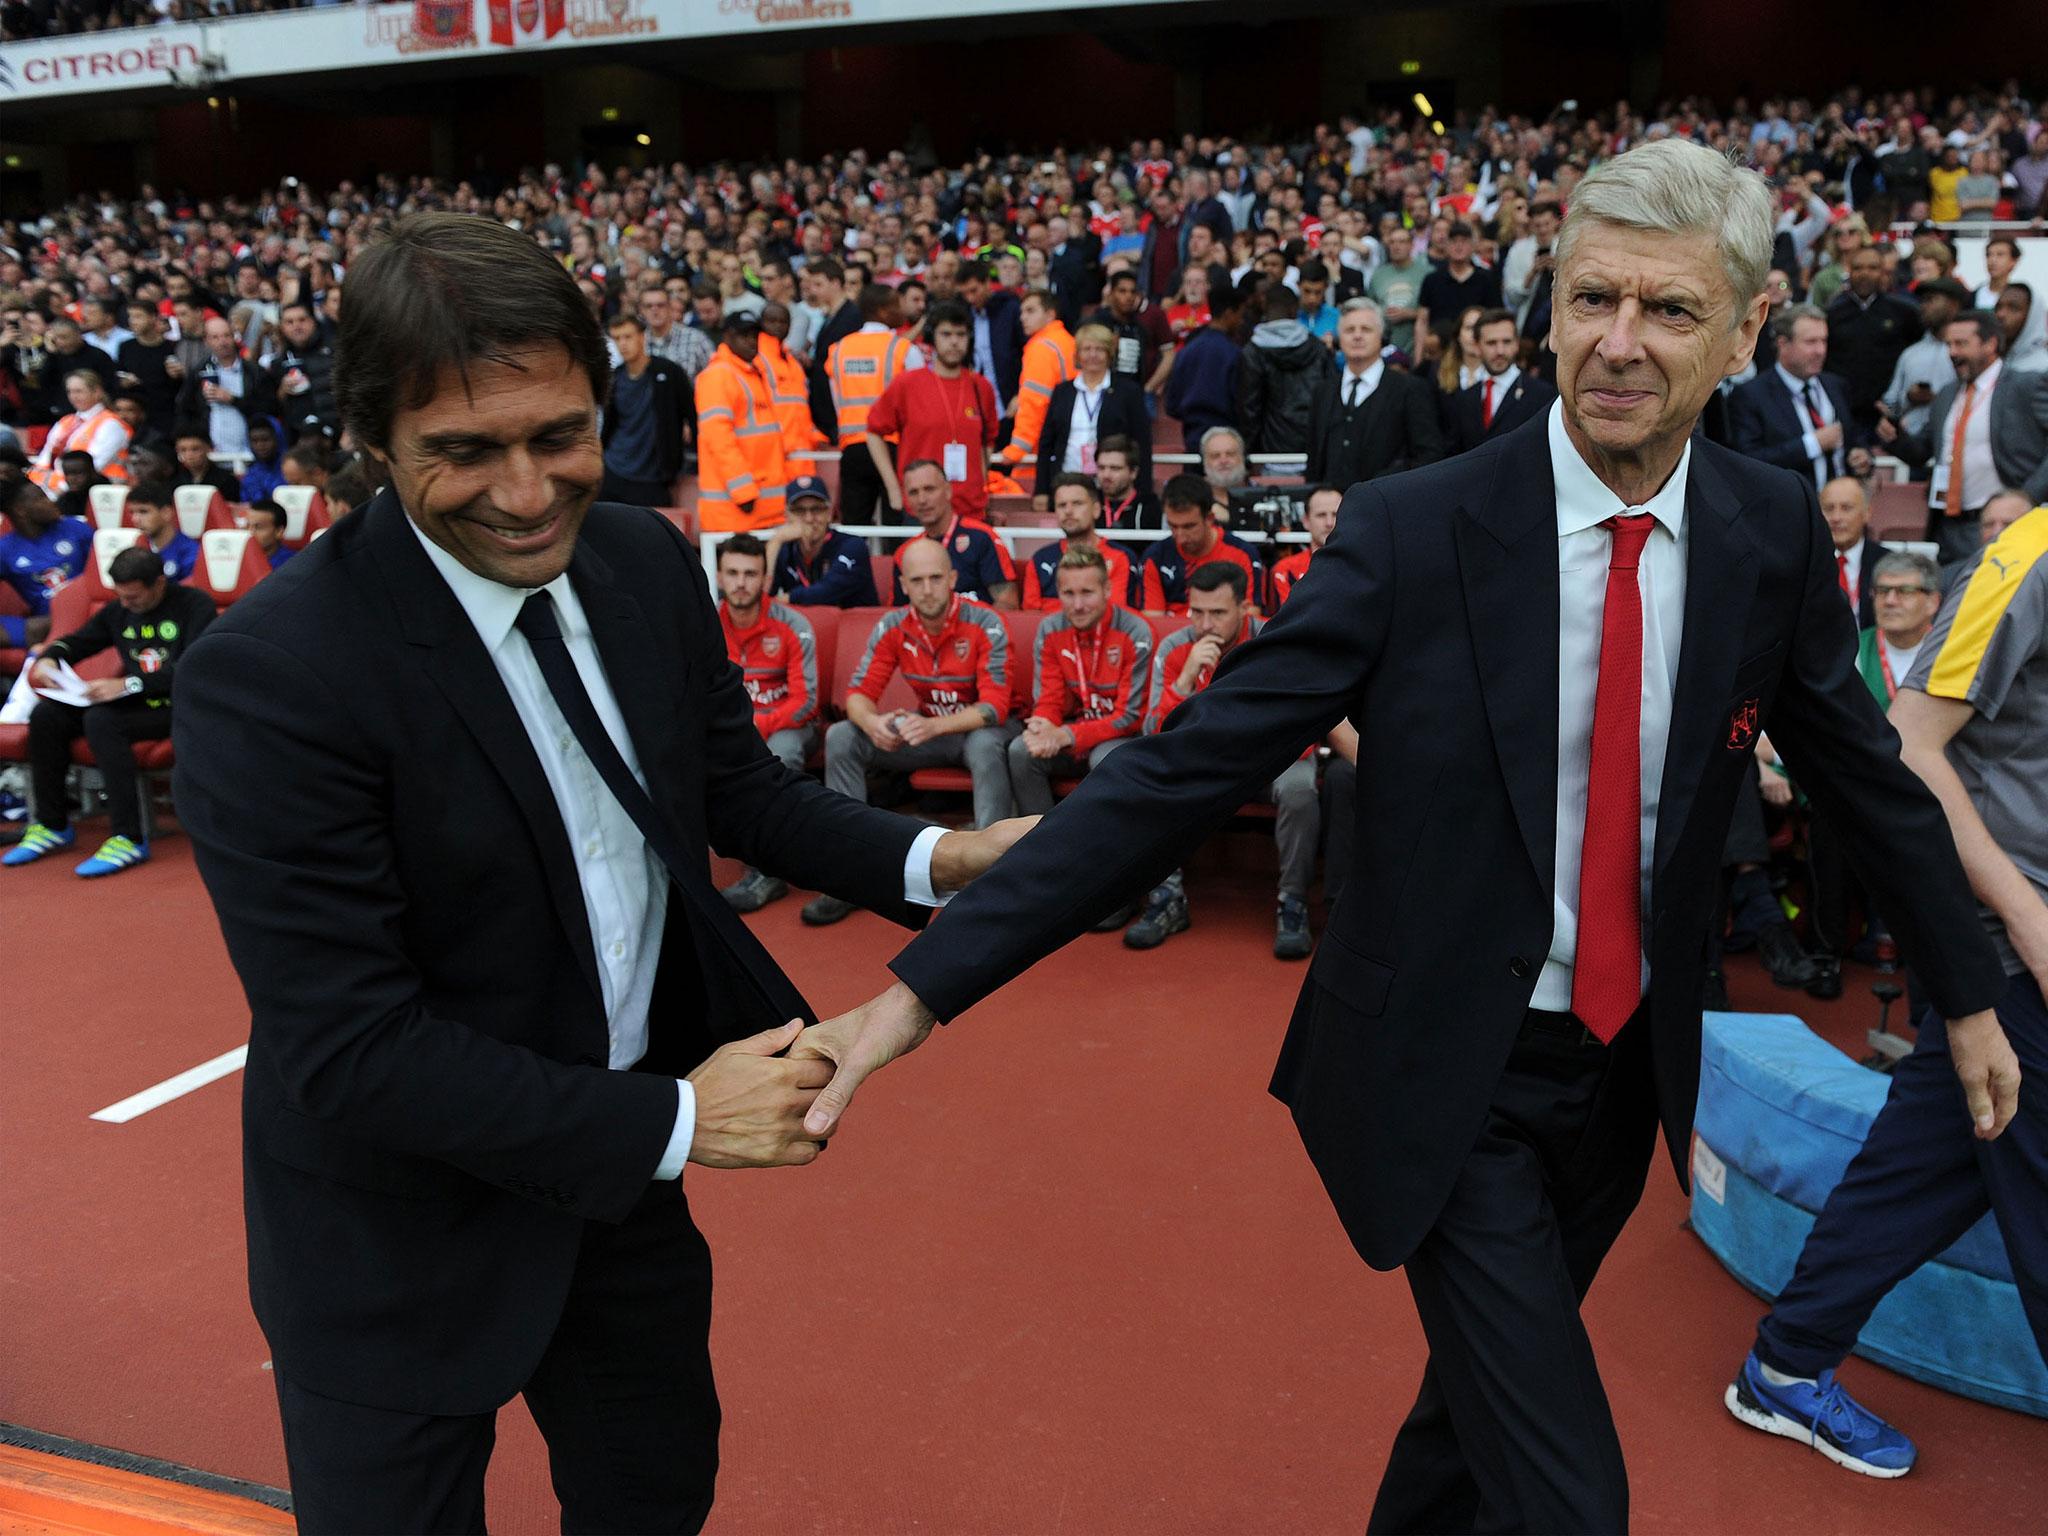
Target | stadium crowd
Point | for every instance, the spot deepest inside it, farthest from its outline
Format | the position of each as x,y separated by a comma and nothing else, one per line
24,19
1016,339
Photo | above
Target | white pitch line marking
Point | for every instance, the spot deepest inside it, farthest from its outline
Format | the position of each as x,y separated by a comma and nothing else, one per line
173,1087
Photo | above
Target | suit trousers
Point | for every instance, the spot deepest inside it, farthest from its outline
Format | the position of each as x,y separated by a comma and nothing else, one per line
1511,1430
850,753
1920,1181
860,489
111,730
623,1396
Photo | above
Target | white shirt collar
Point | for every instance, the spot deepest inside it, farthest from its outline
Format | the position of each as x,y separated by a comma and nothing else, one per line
492,606
1791,381
1502,382
1371,376
1989,377
1084,387
1583,502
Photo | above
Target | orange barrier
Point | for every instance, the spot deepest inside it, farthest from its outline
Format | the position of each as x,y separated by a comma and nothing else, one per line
42,1493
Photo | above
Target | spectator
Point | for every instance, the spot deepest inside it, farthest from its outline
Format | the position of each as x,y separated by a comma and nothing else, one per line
2025,325
1397,284
995,332
832,315
301,377
223,392
152,622
1368,420
861,367
1087,410
305,463
673,342
349,488
152,508
1073,266
1190,310
1224,464
266,531
1505,397
1796,416
1281,371
147,364
1077,508
1846,237
1905,591
1942,181
1164,254
815,564
1458,369
1201,390
1459,285
1987,429
1528,270
777,655
1091,670
266,465
1923,369
1193,541
955,654
100,329
940,412
1219,620
38,554
786,381
1867,330
642,433
1314,308
1977,192
64,352
89,428
1048,363
1319,518
985,572
1845,507
193,450
2001,257
742,474
1123,473
1145,340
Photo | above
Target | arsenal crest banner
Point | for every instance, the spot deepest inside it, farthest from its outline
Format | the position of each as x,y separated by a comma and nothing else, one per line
514,21
445,21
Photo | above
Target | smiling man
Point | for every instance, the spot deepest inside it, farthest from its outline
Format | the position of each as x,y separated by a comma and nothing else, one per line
1558,650
453,777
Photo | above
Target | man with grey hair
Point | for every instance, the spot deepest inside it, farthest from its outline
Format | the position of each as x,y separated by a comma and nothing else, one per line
1367,419
1223,460
1795,415
1592,619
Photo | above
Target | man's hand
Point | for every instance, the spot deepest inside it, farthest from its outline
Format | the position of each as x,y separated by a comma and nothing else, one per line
1043,739
916,730
173,368
1860,462
1205,652
1886,432
1829,437
41,674
751,1103
958,857
104,690
1920,394
1988,1069
1775,788
856,1043
881,730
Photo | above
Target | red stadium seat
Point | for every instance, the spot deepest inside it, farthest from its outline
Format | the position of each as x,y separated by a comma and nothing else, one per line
97,577
109,505
824,622
850,644
305,513
11,607
1022,628
885,578
229,565
1898,510
201,507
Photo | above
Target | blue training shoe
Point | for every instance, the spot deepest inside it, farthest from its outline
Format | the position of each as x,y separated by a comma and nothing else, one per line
114,855
36,842
1823,1415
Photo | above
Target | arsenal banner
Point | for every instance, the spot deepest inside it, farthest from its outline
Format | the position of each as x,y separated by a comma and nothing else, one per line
515,21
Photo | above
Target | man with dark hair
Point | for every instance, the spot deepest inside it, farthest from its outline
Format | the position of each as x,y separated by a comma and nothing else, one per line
982,561
38,554
824,291
154,510
643,420
942,412
861,367
742,467
194,452
1451,289
223,393
1867,330
1319,521
1278,377
1194,540
300,378
1220,618
777,654
152,622
995,332
1144,336
147,364
266,531
1504,396
1201,392
349,487
1796,415
1076,507
451,780
1127,501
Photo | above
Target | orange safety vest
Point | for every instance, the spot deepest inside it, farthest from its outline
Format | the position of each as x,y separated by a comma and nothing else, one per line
1048,363
792,393
860,367
88,431
739,448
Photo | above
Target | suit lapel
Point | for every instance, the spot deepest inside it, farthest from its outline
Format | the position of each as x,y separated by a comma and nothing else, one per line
1507,561
1720,581
454,658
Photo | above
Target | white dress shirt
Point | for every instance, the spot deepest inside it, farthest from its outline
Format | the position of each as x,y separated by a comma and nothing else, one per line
225,423
1583,549
1357,388
1825,466
1977,481
1084,424
1851,566
625,887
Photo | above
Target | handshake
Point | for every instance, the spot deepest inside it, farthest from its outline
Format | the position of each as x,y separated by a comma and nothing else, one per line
760,1108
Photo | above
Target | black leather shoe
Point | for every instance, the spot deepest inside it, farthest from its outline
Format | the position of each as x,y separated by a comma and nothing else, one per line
823,911
1790,966
1117,920
1827,978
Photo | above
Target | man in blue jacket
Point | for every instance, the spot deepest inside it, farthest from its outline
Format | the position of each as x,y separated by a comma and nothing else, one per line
816,565
1201,392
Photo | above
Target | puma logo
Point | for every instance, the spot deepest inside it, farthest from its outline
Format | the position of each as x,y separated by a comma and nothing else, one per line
2004,566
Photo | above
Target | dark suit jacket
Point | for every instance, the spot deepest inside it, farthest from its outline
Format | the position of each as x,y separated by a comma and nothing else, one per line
2019,431
1397,429
1123,415
1005,342
1431,619
1527,397
1766,423
843,321
1866,600
1074,273
428,1118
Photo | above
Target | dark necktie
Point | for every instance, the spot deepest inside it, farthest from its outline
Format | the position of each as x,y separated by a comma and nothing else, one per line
537,621
1607,973
1813,413
1354,391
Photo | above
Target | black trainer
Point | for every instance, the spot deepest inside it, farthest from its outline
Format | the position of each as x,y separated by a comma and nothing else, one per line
824,911
1790,966
753,891
1166,913
1291,938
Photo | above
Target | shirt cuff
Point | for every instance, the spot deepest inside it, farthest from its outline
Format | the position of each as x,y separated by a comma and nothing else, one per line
917,871
1811,444
678,1153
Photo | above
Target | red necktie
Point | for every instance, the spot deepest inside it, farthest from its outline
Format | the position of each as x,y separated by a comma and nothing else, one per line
1486,407
1842,574
1607,975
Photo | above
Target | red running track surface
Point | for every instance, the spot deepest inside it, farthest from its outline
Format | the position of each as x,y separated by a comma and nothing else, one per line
1066,1270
